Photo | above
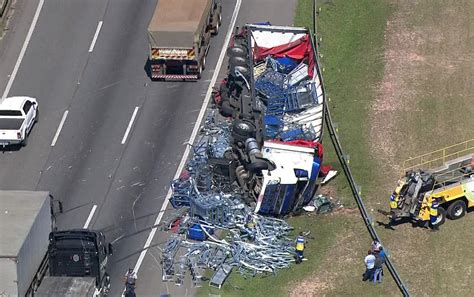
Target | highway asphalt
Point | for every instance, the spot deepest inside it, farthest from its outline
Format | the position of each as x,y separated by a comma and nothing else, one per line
94,161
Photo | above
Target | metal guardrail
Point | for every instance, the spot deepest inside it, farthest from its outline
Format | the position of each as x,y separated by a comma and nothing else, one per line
347,171
360,204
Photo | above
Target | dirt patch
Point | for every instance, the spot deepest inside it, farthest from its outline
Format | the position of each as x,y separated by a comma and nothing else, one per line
391,101
421,105
328,190
429,71
324,281
311,287
343,263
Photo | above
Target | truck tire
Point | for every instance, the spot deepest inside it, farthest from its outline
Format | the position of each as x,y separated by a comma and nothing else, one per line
25,141
441,217
218,23
241,130
226,109
203,62
243,70
257,166
199,72
238,61
236,50
456,210
37,116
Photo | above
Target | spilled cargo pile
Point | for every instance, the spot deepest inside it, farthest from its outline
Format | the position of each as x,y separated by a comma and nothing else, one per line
209,202
257,158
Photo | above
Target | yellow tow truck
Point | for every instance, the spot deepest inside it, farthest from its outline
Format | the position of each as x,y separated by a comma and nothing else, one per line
446,174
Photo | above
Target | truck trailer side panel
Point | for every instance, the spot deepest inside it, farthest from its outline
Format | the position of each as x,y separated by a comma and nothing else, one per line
25,223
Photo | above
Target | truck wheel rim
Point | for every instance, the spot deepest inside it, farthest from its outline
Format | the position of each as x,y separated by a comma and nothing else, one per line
438,220
458,210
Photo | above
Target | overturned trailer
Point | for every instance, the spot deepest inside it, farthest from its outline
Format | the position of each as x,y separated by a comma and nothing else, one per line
275,97
258,155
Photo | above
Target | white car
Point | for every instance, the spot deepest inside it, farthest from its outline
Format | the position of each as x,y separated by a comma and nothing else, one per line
17,117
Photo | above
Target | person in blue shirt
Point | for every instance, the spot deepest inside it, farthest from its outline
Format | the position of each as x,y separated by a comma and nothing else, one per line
378,266
382,253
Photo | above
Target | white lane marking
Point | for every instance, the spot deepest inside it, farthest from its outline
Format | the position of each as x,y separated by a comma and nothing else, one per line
94,40
23,49
89,218
193,134
53,143
130,125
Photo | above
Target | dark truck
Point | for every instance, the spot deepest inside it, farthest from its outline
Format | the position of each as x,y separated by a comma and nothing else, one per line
179,35
38,260
77,261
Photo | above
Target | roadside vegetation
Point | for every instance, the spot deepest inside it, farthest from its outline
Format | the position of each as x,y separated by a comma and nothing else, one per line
400,78
400,88
421,104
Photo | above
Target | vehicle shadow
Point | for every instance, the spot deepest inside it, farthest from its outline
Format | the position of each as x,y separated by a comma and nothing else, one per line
11,148
147,67
391,226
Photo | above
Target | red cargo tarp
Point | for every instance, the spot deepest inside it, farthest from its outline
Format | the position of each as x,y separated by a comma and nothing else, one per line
298,50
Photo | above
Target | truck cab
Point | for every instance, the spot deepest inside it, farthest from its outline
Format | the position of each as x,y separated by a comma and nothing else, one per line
79,253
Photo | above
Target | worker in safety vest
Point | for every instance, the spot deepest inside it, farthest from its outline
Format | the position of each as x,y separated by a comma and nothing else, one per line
251,226
393,207
434,213
393,201
300,245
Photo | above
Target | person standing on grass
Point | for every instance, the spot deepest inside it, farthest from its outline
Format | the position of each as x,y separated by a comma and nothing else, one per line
369,266
434,213
378,265
382,253
300,245
375,247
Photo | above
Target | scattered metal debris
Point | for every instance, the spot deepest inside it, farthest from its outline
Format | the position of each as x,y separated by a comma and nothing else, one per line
252,243
322,204
331,174
232,177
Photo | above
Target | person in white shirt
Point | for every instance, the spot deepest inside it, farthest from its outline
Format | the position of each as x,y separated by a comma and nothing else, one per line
130,283
375,247
369,266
